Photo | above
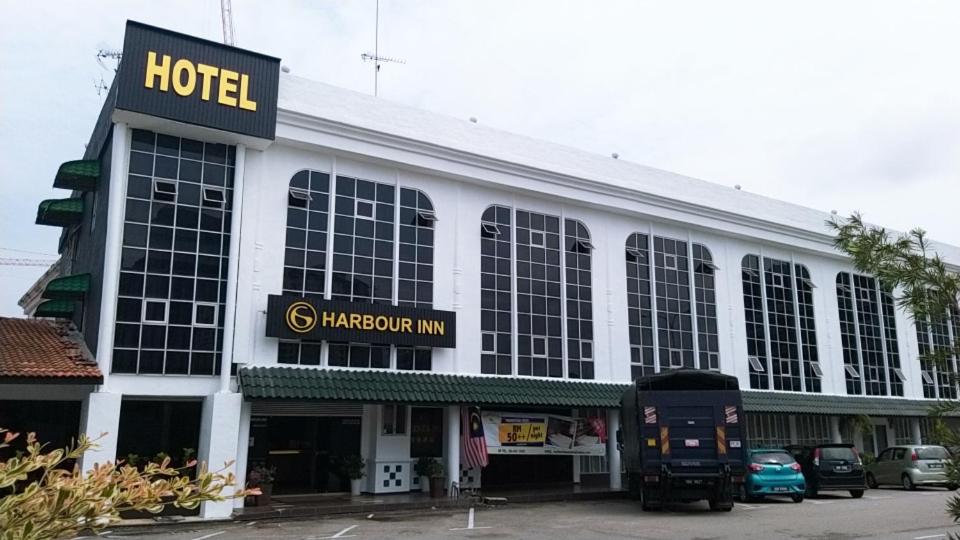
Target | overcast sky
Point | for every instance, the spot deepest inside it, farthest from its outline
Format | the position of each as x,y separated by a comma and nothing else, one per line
833,105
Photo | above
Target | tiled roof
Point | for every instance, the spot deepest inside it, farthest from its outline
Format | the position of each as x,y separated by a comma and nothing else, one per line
265,382
33,350
80,175
797,403
68,287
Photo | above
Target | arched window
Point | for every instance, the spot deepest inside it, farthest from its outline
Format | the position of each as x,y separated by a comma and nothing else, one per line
547,253
662,329
870,358
496,311
577,248
939,378
781,336
366,229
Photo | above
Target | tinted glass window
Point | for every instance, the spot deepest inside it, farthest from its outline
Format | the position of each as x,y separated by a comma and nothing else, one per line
833,452
933,452
780,458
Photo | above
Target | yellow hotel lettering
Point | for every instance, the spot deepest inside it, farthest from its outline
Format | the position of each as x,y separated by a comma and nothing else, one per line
232,90
381,323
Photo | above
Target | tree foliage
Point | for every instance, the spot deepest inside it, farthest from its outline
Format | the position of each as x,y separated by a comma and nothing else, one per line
41,498
910,269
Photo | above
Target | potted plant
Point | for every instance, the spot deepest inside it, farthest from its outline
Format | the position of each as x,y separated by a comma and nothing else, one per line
426,468
262,477
436,480
353,468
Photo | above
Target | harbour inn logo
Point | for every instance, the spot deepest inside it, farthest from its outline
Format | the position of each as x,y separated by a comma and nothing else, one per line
295,317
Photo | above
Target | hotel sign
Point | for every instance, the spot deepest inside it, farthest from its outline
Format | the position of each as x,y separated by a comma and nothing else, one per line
293,317
195,81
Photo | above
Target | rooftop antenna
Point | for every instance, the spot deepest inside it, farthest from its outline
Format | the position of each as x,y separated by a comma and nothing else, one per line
113,55
377,59
226,15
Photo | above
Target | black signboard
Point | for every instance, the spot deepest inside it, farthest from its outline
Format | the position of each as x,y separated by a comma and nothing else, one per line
192,80
293,317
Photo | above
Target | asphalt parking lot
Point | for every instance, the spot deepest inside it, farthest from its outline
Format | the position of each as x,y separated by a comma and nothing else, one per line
881,513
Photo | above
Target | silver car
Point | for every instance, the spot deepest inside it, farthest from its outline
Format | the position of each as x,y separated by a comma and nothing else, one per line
911,466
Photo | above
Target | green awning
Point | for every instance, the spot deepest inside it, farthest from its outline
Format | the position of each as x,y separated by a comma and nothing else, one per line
61,309
60,212
68,287
375,386
80,175
797,403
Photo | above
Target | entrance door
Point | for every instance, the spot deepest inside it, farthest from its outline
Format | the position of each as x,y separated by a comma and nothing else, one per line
879,438
306,451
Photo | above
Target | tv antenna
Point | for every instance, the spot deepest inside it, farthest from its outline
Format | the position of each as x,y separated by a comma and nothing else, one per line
226,16
113,55
375,56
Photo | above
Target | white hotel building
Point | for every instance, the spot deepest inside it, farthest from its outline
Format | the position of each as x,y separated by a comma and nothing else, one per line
568,274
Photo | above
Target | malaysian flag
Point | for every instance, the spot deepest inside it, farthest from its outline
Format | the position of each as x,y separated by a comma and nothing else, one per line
473,445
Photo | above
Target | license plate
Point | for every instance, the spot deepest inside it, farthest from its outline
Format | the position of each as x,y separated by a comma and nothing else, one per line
780,488
935,465
691,443
841,468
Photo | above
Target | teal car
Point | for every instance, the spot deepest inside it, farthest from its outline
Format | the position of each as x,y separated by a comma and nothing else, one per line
772,471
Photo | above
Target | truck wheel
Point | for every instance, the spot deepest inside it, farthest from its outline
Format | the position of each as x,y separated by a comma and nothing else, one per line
635,488
645,502
856,493
716,505
742,493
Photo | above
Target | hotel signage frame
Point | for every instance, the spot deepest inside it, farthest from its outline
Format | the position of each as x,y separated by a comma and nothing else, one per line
314,319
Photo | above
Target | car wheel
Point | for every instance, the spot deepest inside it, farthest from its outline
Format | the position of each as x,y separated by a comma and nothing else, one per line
908,483
952,487
798,498
856,493
871,481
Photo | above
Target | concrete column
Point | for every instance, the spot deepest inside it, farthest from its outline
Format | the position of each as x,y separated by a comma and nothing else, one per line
233,264
915,431
451,431
110,285
100,415
792,424
613,453
243,448
576,469
219,430
835,429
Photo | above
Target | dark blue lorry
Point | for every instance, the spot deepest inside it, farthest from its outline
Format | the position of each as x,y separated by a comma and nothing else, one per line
682,438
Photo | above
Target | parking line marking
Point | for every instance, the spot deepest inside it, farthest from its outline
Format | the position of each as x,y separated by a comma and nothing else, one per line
211,535
343,532
747,506
876,498
819,502
930,536
470,523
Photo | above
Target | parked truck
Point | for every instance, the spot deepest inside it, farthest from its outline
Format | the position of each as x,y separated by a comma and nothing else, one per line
682,438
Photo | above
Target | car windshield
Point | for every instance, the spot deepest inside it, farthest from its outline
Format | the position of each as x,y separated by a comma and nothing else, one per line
933,452
773,458
837,452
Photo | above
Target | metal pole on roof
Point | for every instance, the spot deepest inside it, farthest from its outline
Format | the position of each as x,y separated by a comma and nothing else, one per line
226,16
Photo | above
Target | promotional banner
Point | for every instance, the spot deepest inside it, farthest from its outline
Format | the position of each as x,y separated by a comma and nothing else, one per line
534,433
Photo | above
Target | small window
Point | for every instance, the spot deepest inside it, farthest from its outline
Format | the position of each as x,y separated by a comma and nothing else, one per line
637,254
756,364
394,420
214,197
752,272
537,239
164,190
852,371
586,350
426,217
299,197
899,374
205,314
364,209
489,230
927,378
538,346
714,359
843,287
583,246
670,262
676,358
155,311
707,267
815,368
808,282
489,340
777,280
